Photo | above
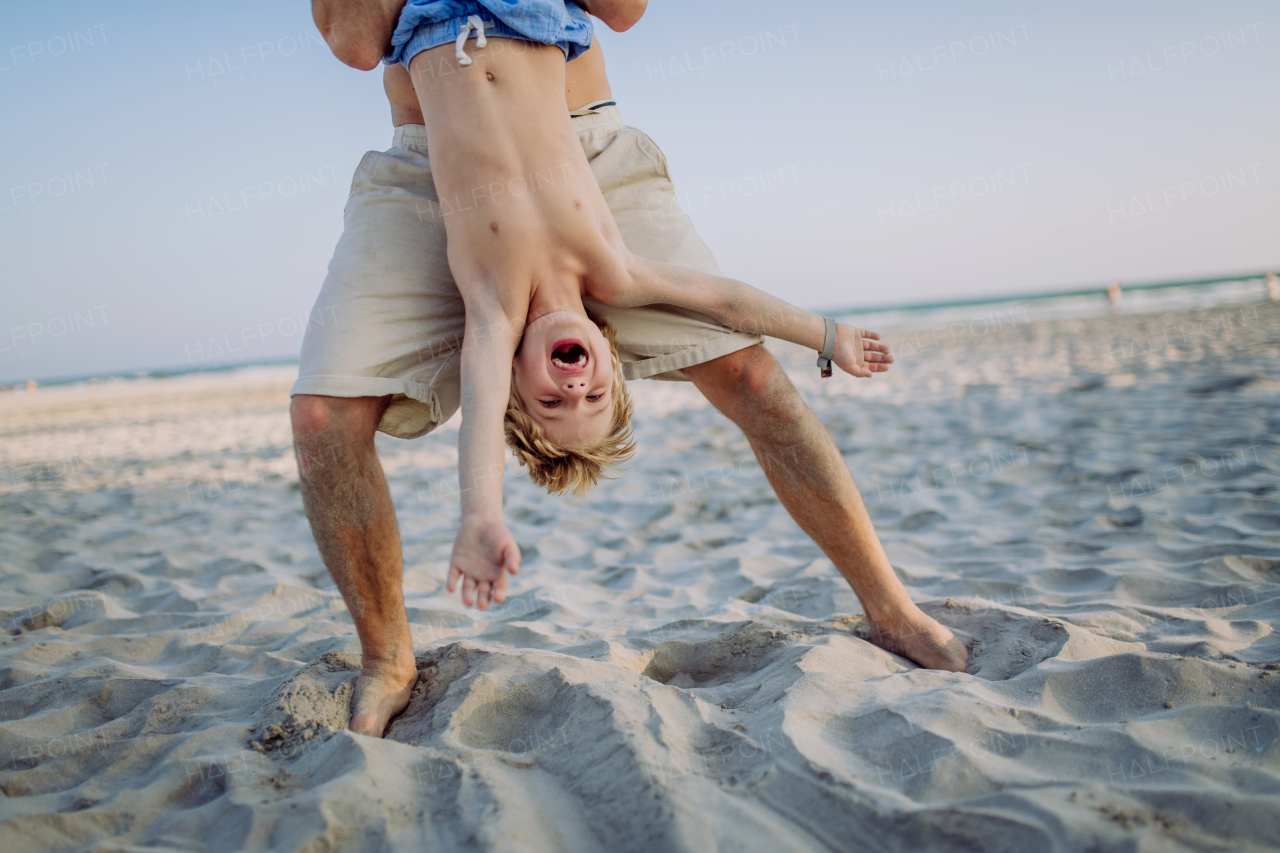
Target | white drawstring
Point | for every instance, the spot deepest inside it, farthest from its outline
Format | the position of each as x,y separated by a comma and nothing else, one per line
473,23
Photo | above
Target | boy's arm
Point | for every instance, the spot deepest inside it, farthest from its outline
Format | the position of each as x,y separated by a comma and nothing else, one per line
484,551
744,308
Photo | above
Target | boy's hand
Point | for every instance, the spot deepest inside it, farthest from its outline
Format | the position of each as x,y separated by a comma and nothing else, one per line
483,554
859,352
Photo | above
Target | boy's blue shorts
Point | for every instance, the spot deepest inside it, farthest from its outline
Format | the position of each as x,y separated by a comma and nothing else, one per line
425,24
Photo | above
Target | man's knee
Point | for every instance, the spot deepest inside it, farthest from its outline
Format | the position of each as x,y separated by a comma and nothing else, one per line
335,418
760,377
749,378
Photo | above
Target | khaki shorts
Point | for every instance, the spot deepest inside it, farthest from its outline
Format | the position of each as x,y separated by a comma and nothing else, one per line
389,319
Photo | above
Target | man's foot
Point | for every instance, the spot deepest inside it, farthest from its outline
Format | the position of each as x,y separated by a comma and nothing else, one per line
921,638
381,693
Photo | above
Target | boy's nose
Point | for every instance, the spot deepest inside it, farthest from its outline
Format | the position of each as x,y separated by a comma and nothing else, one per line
576,389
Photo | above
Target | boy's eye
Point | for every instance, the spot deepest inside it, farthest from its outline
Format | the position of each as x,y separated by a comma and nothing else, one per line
594,397
549,404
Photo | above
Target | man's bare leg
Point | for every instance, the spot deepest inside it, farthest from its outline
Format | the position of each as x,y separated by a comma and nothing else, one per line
811,479
353,519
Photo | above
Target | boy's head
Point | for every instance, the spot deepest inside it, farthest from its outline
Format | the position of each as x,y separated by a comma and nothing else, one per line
569,417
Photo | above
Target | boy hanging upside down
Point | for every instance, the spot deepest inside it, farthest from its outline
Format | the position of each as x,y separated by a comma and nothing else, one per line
540,238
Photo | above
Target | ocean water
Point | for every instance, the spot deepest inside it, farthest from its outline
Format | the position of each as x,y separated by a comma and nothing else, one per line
998,312
974,316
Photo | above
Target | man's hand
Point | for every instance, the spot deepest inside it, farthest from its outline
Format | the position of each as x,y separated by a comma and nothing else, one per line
859,352
618,15
483,554
358,31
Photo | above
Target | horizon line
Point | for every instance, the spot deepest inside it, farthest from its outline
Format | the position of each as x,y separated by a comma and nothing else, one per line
1055,294
165,372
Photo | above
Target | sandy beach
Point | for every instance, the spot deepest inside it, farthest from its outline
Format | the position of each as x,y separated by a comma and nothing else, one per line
1092,503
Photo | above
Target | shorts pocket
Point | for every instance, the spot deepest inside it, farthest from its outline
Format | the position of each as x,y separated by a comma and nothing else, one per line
355,178
653,152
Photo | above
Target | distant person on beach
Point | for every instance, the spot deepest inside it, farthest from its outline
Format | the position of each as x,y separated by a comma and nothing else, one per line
394,363
1113,297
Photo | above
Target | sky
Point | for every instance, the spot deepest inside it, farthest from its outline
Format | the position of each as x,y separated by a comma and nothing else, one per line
172,175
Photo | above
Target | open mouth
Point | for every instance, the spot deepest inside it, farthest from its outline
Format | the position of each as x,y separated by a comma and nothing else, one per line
570,357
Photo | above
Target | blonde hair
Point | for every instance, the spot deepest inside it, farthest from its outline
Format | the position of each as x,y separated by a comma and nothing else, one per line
580,467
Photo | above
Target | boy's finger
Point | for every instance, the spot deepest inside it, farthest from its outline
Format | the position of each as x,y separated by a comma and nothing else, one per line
500,589
511,558
482,595
469,591
875,336
452,583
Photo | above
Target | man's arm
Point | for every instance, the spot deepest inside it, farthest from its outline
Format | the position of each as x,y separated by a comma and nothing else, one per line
618,15
484,551
742,307
357,31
